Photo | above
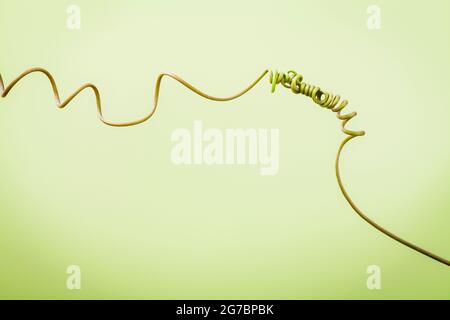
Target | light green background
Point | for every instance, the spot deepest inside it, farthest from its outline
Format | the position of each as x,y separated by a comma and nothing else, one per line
74,191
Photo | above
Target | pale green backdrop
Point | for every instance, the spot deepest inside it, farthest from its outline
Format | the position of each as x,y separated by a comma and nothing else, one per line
74,191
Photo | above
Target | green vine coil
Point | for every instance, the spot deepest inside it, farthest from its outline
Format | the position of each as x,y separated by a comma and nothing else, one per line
290,80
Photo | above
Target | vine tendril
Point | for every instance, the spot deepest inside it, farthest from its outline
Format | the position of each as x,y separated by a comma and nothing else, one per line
294,81
290,80
62,104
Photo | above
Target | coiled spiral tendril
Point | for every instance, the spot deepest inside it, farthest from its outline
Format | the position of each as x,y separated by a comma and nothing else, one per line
294,81
4,91
290,80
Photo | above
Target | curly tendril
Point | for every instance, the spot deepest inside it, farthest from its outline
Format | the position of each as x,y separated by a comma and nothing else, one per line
294,81
62,104
290,80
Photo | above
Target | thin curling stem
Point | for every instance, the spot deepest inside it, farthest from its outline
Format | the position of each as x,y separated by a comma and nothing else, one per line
290,80
370,221
294,81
